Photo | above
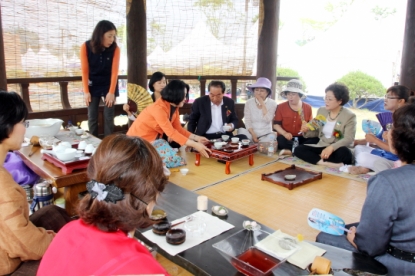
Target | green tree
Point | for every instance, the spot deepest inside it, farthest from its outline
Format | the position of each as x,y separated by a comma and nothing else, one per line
288,72
382,12
362,86
215,12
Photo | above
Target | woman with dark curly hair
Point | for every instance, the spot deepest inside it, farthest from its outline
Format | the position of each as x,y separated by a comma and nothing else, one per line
386,229
126,177
336,131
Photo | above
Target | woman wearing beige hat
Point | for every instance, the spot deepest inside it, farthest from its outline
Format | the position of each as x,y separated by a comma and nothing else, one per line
289,117
259,113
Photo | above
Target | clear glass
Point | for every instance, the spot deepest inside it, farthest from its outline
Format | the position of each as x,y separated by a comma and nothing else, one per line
255,252
195,227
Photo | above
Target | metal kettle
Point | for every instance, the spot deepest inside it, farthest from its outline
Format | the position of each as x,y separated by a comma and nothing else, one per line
43,195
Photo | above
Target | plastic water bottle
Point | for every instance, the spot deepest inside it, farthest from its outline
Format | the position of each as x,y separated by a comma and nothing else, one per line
295,144
271,149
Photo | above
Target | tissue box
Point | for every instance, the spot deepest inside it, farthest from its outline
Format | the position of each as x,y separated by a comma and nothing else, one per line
263,146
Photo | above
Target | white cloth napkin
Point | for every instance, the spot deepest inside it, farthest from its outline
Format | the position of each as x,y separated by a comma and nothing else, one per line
214,227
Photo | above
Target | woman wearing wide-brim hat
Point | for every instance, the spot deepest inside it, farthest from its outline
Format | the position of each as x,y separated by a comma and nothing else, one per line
290,115
259,113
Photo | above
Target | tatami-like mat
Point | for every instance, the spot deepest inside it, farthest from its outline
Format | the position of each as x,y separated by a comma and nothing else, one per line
280,208
300,163
210,171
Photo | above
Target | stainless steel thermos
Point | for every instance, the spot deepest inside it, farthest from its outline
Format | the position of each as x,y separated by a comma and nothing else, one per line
43,195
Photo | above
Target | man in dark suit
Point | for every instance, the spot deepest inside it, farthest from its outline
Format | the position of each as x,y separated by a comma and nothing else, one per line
214,115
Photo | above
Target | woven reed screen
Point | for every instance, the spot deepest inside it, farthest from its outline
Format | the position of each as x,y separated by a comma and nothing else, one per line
184,37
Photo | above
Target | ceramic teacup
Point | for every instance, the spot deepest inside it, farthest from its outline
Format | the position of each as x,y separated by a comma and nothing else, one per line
89,149
218,145
226,128
82,145
184,171
235,139
225,137
79,131
245,142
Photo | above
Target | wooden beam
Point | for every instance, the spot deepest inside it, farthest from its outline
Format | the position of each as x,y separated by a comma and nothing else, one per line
268,41
408,52
137,42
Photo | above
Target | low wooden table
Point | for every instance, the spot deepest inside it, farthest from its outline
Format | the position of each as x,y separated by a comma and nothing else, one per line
203,259
72,183
230,153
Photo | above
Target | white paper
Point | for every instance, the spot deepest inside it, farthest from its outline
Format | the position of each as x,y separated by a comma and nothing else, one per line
214,227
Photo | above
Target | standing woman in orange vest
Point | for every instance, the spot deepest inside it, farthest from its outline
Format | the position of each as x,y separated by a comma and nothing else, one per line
100,59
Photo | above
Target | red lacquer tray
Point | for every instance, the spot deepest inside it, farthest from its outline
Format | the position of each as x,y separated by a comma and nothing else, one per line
67,167
302,177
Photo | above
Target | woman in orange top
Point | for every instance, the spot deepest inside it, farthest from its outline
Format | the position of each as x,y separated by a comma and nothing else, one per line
100,58
163,117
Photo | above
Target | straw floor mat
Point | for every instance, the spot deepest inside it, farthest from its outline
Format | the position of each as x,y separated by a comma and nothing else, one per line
279,208
210,171
300,163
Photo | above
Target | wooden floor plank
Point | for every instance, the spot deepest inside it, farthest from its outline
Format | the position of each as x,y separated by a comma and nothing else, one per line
280,208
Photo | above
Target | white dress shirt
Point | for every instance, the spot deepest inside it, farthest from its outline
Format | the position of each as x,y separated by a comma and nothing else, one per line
216,125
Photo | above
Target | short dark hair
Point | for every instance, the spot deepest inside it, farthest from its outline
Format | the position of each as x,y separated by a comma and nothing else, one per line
187,92
340,91
217,83
403,133
101,28
134,166
13,110
174,92
401,91
157,76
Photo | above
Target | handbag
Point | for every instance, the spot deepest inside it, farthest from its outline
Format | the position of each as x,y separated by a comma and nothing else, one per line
168,155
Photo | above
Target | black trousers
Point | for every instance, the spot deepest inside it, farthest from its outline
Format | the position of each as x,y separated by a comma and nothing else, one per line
283,143
312,154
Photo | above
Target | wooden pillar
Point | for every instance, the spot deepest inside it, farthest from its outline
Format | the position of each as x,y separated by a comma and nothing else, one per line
234,85
3,77
268,41
408,52
137,42
202,87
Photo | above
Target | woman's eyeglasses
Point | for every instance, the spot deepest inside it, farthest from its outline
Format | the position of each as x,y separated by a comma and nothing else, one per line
26,124
391,98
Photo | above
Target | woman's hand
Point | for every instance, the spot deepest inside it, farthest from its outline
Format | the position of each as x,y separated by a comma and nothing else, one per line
109,99
202,149
87,98
304,128
202,139
351,235
288,136
126,108
385,136
370,138
325,154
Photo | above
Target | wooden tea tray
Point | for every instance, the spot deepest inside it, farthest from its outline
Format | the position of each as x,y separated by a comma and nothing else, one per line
230,152
67,167
303,177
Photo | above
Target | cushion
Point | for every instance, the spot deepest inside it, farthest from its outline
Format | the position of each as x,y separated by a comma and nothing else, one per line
169,156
